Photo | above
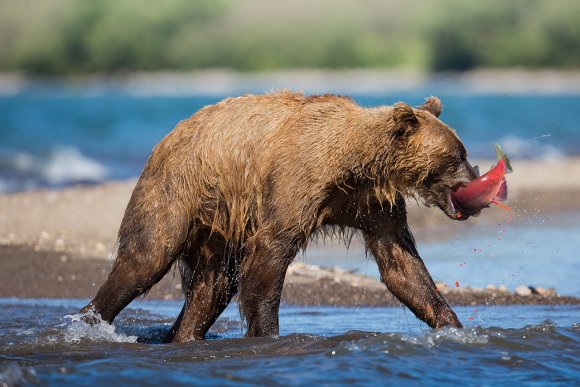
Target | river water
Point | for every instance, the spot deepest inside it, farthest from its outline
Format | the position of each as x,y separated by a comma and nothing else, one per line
42,341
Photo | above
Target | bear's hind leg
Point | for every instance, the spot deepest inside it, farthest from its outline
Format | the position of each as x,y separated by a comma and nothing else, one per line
210,282
132,275
261,282
150,240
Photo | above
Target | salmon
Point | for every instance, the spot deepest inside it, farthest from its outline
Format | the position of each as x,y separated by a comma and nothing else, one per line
489,188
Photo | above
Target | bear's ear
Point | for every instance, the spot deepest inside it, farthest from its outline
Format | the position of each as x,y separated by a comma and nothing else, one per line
433,105
404,116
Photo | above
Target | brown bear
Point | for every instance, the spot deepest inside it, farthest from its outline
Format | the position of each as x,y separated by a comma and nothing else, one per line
234,192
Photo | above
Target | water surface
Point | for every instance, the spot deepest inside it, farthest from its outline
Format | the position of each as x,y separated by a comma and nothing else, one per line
508,344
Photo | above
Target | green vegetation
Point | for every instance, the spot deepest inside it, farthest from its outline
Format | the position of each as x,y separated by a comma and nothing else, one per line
62,37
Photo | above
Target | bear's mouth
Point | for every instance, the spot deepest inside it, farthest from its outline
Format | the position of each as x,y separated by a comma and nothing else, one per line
450,205
451,209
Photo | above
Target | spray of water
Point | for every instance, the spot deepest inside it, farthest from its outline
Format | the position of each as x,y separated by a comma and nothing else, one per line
78,330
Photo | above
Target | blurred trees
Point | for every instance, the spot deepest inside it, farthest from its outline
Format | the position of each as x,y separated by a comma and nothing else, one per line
69,36
497,33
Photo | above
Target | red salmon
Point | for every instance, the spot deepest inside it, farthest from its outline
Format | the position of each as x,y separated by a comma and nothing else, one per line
488,188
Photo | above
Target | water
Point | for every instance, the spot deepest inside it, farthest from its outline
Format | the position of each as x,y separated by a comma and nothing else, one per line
39,343
533,251
56,136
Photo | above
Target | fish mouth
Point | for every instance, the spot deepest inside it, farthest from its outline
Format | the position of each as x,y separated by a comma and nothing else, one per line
453,210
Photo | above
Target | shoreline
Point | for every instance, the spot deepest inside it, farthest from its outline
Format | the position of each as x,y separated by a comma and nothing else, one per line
220,82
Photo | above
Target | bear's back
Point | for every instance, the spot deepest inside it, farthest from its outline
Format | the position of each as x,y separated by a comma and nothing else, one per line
252,131
237,153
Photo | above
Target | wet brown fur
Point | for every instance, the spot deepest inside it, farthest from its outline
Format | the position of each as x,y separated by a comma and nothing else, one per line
234,192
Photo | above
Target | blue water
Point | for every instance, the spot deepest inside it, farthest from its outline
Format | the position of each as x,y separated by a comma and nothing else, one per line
64,135
41,341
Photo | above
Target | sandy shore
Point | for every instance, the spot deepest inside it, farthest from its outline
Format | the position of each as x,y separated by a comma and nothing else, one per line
58,243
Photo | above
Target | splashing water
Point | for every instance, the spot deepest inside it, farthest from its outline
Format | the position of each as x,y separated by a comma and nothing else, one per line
78,330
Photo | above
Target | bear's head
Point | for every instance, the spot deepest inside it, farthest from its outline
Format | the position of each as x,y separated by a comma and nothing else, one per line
431,159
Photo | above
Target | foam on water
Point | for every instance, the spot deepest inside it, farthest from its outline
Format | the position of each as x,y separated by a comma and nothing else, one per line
532,148
432,338
78,330
67,164
62,165
14,375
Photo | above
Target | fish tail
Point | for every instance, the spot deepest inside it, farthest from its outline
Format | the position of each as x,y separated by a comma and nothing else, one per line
501,155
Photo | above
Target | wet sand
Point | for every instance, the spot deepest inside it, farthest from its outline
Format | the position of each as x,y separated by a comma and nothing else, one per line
58,243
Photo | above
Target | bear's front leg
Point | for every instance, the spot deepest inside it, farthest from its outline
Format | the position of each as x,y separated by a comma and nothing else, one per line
406,276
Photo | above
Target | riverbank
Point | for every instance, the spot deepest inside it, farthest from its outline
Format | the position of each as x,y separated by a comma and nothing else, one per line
37,274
